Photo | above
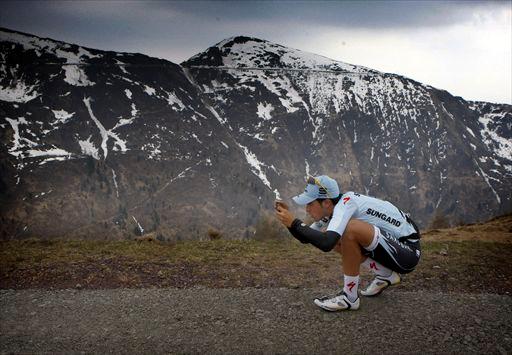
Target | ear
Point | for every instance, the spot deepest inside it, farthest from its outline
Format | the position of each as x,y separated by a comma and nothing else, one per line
329,203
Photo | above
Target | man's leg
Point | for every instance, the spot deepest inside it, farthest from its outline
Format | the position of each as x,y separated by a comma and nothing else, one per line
355,227
357,234
384,278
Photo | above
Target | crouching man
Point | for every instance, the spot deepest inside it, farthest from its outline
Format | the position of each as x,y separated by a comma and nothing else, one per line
365,230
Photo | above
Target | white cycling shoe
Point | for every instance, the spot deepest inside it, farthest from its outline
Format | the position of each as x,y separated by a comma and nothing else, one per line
380,283
340,302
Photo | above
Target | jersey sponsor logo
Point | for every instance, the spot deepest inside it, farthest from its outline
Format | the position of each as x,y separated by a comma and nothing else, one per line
345,200
373,266
384,217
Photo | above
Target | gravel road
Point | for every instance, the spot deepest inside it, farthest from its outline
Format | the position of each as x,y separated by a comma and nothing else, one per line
204,320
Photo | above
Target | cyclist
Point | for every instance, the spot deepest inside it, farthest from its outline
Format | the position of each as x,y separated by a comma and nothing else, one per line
365,230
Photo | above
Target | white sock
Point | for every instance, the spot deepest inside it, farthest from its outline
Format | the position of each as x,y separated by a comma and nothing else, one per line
350,285
376,268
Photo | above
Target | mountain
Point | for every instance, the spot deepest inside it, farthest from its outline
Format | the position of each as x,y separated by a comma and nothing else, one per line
378,133
99,144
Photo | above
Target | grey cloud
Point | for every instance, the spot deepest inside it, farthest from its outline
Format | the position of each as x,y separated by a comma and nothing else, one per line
354,14
95,15
174,28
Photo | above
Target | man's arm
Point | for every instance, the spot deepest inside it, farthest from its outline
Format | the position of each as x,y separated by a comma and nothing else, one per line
305,234
297,235
323,241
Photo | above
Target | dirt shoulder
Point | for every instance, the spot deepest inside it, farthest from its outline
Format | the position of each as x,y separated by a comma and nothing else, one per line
469,259
468,266
497,230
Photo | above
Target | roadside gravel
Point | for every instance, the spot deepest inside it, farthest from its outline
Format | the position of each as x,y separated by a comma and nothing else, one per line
250,320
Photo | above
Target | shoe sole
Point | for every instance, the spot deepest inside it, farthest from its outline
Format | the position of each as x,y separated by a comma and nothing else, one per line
381,290
376,294
335,310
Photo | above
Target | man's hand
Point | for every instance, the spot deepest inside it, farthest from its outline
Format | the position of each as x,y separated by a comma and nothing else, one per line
280,203
284,215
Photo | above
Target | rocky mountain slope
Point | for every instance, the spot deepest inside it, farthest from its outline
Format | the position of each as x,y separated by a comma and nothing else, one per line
101,144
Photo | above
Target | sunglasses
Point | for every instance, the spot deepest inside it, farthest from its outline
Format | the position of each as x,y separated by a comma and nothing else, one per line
314,181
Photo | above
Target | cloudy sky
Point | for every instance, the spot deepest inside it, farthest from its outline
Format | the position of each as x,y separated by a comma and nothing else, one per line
464,47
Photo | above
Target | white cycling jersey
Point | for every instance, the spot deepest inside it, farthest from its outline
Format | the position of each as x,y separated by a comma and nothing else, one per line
377,212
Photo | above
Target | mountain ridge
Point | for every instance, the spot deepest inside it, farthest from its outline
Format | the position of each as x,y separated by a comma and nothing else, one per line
126,128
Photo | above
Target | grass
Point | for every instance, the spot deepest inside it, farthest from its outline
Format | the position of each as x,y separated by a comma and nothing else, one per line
460,266
27,252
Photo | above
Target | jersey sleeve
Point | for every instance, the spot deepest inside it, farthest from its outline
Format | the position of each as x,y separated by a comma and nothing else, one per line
343,211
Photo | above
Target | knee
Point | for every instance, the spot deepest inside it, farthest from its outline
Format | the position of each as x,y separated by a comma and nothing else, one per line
358,231
351,230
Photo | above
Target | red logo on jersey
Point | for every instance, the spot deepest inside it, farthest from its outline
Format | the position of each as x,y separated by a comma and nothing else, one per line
373,266
351,285
345,200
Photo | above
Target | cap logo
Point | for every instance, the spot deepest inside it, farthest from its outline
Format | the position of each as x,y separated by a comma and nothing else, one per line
322,187
322,191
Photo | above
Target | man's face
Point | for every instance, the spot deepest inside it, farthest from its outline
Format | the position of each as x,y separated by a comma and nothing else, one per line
315,210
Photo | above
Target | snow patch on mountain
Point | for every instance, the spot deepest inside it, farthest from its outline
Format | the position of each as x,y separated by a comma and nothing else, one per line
504,146
123,122
31,153
153,148
307,167
74,73
470,131
74,55
114,178
122,66
141,230
105,134
314,83
19,142
134,111
61,117
264,111
127,121
486,179
250,52
281,87
173,100
375,95
149,90
21,92
87,147
216,115
76,76
41,195
257,167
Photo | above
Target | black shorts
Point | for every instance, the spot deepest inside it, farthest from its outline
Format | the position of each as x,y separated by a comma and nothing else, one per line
400,255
